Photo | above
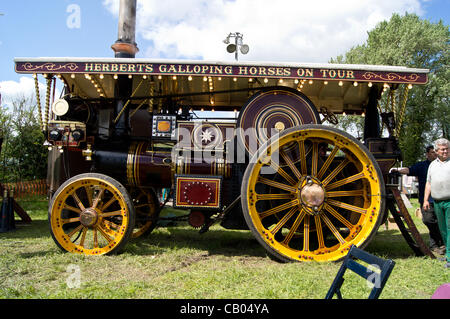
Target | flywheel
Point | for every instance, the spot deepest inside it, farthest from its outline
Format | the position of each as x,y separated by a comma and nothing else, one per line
272,111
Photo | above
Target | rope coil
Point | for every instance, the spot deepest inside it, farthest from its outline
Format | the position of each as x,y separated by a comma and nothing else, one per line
402,110
38,99
47,102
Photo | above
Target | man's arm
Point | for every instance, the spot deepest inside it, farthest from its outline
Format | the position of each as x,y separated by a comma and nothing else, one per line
403,170
426,196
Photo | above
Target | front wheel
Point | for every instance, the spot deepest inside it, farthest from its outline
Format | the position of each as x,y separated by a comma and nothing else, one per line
312,192
91,214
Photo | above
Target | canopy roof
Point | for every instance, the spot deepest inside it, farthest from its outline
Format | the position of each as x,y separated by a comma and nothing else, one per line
222,85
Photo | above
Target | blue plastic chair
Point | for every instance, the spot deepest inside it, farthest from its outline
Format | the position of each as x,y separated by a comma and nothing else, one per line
378,279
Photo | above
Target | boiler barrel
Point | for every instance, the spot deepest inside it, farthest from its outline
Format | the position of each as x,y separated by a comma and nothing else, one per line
139,165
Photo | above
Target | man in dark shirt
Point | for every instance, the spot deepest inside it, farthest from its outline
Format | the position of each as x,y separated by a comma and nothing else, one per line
420,170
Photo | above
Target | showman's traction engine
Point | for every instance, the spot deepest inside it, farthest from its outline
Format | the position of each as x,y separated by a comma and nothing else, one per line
246,145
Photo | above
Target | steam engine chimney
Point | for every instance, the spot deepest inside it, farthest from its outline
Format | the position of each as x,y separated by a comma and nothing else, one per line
124,47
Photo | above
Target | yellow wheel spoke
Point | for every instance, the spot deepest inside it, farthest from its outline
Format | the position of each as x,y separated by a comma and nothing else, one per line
107,204
70,220
74,231
336,171
294,227
282,172
319,231
306,233
111,224
333,229
97,199
291,165
71,208
346,180
276,184
352,193
78,201
286,176
278,209
95,238
114,213
83,237
273,196
89,195
104,234
301,147
110,228
327,162
353,208
315,158
284,220
339,217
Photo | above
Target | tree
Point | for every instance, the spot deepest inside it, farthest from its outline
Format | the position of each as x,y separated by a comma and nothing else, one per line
23,155
417,43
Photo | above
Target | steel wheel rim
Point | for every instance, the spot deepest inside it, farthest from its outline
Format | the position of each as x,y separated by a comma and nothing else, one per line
89,216
349,195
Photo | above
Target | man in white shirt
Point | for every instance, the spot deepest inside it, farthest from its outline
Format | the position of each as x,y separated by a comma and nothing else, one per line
438,186
420,169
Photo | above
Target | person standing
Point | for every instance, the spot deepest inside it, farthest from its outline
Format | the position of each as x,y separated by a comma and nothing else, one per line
420,170
438,186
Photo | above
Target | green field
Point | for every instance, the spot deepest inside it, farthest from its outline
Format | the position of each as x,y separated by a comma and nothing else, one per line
178,262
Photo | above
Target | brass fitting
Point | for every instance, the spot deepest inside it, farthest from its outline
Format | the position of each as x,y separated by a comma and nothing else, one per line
87,153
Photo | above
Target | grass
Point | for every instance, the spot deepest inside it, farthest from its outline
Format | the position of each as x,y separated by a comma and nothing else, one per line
179,263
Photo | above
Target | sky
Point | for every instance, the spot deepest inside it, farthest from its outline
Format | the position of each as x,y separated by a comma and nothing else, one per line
275,31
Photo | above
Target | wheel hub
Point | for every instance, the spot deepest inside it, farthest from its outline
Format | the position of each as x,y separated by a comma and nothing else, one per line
311,195
88,217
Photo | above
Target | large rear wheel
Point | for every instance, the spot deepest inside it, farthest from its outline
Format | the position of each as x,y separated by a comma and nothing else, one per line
311,193
91,214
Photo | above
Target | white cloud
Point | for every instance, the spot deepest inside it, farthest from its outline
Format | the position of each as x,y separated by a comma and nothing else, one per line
12,90
284,30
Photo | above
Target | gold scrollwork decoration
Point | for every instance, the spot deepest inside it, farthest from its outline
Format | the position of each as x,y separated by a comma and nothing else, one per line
50,66
391,77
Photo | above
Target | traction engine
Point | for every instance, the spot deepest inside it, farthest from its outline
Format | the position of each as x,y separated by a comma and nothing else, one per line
264,156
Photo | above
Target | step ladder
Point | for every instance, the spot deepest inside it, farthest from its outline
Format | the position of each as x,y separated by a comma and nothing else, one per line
405,224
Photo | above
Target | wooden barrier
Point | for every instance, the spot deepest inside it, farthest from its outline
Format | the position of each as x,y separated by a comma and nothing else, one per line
27,188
